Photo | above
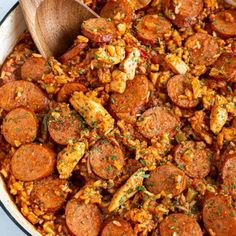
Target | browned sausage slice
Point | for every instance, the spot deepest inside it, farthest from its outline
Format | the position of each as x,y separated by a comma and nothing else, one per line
202,49
157,121
20,127
128,104
194,158
106,159
34,68
176,88
83,219
225,67
64,125
166,178
151,28
228,174
120,11
183,13
49,193
73,52
32,162
68,89
179,224
224,23
22,93
117,227
219,216
99,30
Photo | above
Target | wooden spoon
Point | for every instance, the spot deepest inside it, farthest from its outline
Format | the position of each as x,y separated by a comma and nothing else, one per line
231,2
54,24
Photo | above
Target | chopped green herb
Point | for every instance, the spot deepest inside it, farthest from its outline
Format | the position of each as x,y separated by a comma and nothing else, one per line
95,56
130,190
145,176
229,88
151,184
143,162
140,118
181,166
233,185
81,71
140,188
110,168
112,100
180,137
132,147
172,227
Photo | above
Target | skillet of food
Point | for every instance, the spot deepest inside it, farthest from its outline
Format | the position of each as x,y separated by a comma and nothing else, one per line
132,130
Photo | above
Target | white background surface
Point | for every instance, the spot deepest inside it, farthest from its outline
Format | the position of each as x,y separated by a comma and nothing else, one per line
7,227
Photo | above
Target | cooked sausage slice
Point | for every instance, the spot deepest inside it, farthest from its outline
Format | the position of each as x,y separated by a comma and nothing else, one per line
194,158
98,30
151,28
228,174
219,216
157,121
131,102
22,93
120,11
106,159
68,89
72,52
83,219
224,23
33,162
176,88
49,193
20,126
167,178
225,67
202,48
183,13
117,227
138,4
34,68
64,125
180,224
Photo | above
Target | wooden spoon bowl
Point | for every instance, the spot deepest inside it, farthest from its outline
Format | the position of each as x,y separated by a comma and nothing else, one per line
54,24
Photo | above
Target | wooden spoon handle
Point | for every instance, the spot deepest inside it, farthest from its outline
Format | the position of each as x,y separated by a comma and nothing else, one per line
29,9
231,2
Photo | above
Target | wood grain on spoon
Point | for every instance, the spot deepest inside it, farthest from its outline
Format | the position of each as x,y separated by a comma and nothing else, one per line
54,24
